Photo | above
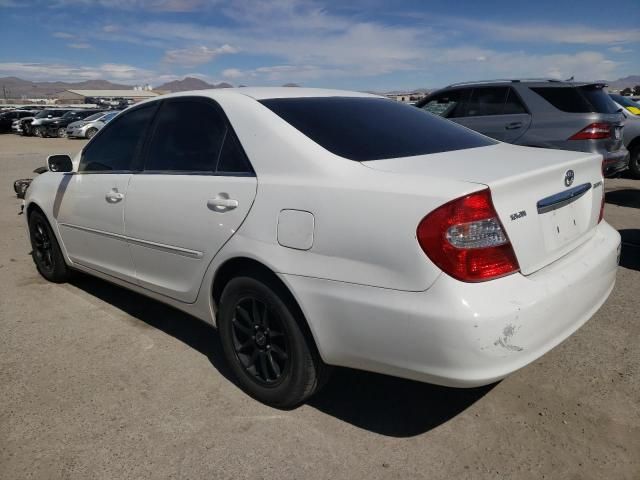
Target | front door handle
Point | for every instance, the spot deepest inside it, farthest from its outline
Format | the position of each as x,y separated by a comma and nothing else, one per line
513,125
114,196
222,203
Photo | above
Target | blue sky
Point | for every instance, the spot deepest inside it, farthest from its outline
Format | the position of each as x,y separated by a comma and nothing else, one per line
361,44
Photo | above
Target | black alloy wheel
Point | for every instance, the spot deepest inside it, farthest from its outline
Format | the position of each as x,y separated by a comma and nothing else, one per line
262,330
45,251
259,341
42,246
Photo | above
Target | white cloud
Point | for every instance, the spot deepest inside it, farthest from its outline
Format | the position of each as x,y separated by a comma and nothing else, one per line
63,35
149,5
233,73
545,33
79,45
71,73
196,55
619,49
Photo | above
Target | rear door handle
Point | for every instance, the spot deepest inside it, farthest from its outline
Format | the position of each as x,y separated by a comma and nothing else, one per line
114,196
222,204
513,125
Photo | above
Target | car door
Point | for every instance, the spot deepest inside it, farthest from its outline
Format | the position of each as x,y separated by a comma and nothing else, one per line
496,112
90,210
196,188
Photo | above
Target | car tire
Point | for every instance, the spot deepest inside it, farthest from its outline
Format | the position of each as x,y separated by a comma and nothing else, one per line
26,131
45,250
38,132
91,132
62,133
634,162
264,343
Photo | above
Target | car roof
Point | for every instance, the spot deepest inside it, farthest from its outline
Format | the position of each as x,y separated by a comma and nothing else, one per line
263,93
533,82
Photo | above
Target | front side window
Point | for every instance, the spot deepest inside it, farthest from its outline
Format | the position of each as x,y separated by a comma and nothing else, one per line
448,104
372,128
116,146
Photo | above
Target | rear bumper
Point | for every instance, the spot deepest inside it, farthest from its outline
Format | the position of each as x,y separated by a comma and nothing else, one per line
615,162
460,334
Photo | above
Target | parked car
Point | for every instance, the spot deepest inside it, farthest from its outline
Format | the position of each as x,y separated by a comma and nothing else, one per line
8,117
626,102
538,113
34,125
58,127
311,233
88,127
631,135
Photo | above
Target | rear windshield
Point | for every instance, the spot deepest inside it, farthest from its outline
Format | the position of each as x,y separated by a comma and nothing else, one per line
587,99
364,129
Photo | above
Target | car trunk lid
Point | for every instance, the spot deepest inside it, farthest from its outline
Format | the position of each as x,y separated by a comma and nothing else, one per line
548,200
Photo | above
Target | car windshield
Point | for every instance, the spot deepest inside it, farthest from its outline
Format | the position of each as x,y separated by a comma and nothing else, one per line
372,128
70,114
46,113
93,117
109,116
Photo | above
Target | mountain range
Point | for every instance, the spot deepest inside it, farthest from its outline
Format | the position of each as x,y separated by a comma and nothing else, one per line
14,87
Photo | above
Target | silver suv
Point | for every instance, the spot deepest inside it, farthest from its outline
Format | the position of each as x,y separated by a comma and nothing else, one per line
538,113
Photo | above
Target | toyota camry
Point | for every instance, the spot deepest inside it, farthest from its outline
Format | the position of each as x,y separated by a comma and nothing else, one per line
318,228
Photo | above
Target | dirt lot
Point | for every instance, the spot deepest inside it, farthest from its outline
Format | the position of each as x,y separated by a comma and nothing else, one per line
100,383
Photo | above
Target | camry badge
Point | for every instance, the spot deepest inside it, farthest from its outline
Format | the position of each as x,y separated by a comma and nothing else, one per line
568,178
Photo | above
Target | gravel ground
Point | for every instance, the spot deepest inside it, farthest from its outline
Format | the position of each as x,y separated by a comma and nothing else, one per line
97,382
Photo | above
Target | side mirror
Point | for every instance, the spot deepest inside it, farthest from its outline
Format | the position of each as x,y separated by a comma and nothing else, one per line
59,163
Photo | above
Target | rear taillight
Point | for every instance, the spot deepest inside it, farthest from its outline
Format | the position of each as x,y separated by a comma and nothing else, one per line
466,240
594,131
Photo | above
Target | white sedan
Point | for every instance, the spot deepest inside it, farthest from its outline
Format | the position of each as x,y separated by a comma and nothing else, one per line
319,227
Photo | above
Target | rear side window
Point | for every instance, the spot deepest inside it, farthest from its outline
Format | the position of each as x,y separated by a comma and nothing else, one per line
486,101
588,99
513,104
187,138
232,157
116,146
599,99
364,129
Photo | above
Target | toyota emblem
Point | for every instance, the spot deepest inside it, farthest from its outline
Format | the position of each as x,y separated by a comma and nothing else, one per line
568,178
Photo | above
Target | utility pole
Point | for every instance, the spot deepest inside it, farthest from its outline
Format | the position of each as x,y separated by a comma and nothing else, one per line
4,93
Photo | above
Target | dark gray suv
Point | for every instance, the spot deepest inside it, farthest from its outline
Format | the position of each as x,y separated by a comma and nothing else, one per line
538,113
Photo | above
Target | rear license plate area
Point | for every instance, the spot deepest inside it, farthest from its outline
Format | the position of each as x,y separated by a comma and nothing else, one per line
562,226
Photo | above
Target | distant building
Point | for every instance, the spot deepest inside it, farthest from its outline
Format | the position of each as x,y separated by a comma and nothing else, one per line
81,96
408,97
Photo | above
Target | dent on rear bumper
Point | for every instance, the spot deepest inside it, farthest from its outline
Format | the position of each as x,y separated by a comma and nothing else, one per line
460,334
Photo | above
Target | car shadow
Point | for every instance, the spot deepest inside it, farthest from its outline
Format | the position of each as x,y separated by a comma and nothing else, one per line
630,254
625,197
378,403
